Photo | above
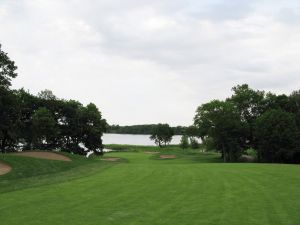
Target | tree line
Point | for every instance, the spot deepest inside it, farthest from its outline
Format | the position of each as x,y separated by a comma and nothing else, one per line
141,129
45,121
252,119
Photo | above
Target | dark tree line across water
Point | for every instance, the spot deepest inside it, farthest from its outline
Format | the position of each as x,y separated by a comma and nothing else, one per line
44,121
267,123
141,129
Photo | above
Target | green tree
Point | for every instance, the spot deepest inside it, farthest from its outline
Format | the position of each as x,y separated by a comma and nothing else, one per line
47,95
250,105
44,129
208,144
277,135
221,121
7,69
140,129
194,143
192,131
71,125
295,105
9,119
280,102
184,142
162,134
179,130
28,104
94,127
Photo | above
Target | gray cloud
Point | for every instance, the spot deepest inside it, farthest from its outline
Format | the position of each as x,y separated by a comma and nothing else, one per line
151,61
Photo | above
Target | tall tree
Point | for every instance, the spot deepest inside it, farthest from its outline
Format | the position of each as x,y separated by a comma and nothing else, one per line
94,126
9,119
7,69
8,103
250,105
295,105
44,129
71,125
278,136
221,121
28,104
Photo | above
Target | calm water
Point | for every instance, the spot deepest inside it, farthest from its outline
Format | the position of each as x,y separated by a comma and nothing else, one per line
135,139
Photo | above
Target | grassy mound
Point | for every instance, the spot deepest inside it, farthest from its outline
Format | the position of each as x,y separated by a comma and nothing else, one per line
31,172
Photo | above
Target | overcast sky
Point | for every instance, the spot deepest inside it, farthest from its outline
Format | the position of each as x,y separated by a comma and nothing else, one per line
152,61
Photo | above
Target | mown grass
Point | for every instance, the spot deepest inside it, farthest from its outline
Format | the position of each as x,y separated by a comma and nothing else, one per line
194,188
139,148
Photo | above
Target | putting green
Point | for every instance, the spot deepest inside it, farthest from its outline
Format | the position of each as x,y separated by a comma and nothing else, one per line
142,189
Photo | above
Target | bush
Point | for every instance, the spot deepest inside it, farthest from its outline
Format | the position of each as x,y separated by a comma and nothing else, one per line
184,142
194,143
251,152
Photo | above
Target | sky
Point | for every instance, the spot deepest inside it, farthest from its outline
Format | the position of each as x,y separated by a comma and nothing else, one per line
152,61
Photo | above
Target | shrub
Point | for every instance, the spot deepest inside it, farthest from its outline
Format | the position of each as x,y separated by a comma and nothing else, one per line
184,142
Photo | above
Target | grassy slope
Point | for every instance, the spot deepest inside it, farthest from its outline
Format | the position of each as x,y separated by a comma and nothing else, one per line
143,190
31,172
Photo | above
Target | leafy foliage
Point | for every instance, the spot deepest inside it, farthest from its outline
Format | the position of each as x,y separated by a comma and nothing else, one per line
252,119
162,134
140,129
184,142
45,121
221,121
93,128
44,129
194,143
7,69
277,136
9,119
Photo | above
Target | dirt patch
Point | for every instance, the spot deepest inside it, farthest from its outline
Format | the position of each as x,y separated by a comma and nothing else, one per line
167,156
44,155
151,152
4,168
111,159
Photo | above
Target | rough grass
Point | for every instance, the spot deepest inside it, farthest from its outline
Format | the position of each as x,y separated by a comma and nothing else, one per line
194,188
31,172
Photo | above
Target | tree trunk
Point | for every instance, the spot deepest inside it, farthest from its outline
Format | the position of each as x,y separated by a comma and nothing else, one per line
224,153
3,145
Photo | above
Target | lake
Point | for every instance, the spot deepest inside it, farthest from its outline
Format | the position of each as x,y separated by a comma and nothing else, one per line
134,139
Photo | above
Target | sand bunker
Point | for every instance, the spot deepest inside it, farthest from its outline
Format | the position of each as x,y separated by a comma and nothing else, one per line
4,168
44,155
151,152
111,159
167,156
